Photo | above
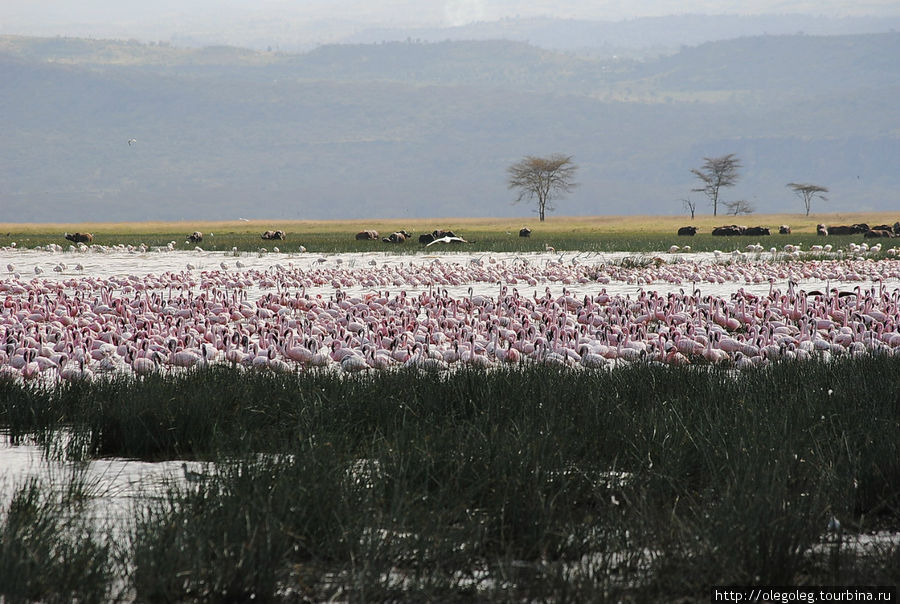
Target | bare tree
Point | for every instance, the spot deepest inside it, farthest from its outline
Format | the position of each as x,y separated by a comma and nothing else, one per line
690,205
806,192
542,178
717,172
740,206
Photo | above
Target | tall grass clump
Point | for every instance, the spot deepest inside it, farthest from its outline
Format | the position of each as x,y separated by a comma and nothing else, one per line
761,473
25,408
403,512
224,539
550,483
528,482
50,549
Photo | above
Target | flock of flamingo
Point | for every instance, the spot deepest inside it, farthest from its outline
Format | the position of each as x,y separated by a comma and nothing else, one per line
437,313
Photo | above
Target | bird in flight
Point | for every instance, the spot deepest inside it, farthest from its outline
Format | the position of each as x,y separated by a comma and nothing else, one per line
447,239
131,141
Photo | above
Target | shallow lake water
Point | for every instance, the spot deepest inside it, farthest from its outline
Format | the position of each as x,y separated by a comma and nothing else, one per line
119,263
113,485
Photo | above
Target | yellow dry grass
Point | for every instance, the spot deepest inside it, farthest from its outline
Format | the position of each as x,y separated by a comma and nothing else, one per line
555,224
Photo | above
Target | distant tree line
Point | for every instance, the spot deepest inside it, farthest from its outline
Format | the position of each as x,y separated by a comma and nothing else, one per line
544,179
721,172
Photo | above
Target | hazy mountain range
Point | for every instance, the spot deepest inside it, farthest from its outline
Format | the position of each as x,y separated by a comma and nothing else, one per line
291,25
428,128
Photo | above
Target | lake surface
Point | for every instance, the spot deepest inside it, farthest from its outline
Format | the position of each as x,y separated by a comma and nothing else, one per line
112,262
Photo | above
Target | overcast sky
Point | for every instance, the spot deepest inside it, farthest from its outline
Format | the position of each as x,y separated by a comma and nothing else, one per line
316,21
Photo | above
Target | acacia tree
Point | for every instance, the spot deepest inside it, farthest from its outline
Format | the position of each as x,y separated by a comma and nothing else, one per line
806,192
715,173
739,206
690,205
543,179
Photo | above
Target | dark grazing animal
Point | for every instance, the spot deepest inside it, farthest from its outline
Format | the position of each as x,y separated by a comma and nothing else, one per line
195,237
784,230
396,237
524,232
279,234
878,233
822,230
427,238
367,236
729,230
79,237
687,231
756,231
853,229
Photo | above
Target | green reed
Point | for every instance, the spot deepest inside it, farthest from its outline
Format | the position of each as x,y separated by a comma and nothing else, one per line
50,551
532,482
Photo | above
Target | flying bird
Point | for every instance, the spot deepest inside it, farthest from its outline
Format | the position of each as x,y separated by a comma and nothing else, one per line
131,141
447,240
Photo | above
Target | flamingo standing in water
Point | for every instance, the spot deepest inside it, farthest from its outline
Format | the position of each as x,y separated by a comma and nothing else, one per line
31,369
182,358
298,354
143,365
591,359
320,358
353,362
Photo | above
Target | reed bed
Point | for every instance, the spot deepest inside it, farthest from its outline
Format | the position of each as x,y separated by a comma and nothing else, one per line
50,550
641,483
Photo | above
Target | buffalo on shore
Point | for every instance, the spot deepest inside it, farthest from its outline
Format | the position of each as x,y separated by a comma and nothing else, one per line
844,229
784,230
195,237
279,234
524,232
687,231
79,237
426,238
892,229
756,231
397,237
370,235
729,230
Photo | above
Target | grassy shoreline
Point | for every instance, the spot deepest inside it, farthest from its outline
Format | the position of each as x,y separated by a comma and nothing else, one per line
555,224
635,234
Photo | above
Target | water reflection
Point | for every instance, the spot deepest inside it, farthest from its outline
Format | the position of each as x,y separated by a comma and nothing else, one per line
112,485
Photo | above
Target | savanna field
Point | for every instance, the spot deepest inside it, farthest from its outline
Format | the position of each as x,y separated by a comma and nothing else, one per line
591,413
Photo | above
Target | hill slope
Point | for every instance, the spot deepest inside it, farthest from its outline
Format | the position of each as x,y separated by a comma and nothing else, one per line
407,129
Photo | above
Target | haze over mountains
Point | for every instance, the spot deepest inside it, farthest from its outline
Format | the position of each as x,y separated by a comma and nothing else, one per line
427,126
292,26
